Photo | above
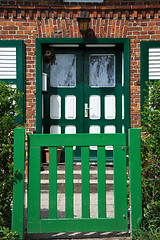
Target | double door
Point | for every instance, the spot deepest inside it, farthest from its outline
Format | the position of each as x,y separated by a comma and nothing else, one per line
85,92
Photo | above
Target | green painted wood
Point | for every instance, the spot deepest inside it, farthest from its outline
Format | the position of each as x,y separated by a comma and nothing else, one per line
135,178
101,182
18,187
82,41
144,58
119,223
85,182
34,186
102,91
77,139
78,225
20,71
120,188
38,87
126,88
69,182
52,182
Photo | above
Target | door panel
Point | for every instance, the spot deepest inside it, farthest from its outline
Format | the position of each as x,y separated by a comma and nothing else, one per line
103,88
63,98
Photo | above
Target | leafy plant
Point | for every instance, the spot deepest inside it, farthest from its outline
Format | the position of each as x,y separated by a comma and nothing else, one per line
151,146
9,98
5,233
150,159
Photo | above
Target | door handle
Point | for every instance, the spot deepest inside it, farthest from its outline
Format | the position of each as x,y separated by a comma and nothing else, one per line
86,110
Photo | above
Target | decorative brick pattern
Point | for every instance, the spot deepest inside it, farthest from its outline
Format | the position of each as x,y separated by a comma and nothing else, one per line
113,19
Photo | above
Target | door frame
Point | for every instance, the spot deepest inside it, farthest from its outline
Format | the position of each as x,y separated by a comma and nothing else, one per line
125,42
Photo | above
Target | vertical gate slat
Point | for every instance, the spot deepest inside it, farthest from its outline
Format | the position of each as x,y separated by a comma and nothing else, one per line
34,185
85,182
101,182
120,187
69,182
52,182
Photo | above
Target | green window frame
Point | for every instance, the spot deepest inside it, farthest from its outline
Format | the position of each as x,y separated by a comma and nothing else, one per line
144,61
20,72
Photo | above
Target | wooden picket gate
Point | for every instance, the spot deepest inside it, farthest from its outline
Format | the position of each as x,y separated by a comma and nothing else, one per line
84,224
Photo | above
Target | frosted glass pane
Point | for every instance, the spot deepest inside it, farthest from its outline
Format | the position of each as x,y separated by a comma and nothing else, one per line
102,70
55,129
122,106
63,71
70,129
94,129
95,108
110,108
70,107
55,107
109,129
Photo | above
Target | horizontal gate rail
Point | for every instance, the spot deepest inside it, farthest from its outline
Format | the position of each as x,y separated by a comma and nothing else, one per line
82,140
84,224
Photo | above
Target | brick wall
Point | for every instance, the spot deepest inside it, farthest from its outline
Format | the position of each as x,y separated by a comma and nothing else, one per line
137,22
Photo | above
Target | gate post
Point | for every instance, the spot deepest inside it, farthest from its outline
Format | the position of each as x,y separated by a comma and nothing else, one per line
135,178
18,187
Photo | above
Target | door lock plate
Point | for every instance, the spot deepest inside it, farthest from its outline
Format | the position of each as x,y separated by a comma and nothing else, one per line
86,108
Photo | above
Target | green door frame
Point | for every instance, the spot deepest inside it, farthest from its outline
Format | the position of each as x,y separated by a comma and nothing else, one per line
125,42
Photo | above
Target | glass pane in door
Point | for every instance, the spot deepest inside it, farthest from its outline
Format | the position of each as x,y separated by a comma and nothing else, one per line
102,70
63,71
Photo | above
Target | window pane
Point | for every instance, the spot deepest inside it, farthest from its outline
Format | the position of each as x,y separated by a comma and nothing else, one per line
63,71
70,107
95,107
55,107
110,107
102,70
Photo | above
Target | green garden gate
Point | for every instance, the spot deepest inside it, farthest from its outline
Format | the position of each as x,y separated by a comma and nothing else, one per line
84,224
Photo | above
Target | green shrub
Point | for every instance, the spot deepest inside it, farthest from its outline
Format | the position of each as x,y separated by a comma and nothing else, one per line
9,98
6,234
150,159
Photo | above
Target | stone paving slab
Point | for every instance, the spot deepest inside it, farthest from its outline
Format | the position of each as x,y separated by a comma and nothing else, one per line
77,204
81,236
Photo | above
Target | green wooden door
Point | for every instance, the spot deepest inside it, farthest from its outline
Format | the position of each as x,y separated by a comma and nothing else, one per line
103,94
84,94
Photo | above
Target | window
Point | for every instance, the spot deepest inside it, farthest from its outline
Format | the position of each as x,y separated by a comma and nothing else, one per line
150,65
12,68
